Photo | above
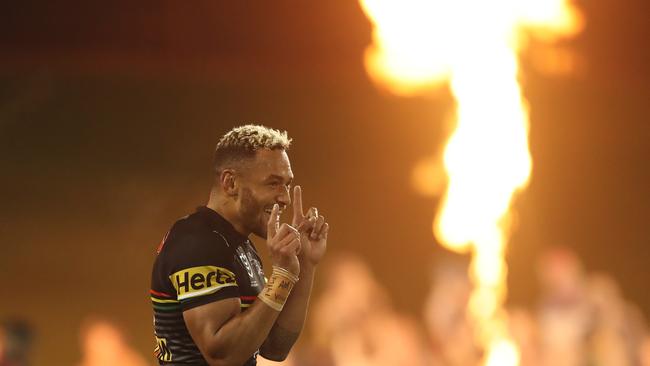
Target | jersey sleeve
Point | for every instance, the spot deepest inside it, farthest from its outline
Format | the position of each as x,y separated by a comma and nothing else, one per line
202,269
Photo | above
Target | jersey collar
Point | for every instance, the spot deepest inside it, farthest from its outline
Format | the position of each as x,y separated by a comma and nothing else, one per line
220,224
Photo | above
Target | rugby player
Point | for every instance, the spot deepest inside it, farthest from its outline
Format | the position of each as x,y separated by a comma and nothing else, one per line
212,303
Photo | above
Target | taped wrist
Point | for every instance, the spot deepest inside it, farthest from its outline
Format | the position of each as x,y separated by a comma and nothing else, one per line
277,289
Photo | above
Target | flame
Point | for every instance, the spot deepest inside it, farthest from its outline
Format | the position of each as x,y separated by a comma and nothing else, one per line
473,45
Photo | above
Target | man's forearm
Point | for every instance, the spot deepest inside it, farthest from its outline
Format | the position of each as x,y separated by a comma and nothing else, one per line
291,320
292,317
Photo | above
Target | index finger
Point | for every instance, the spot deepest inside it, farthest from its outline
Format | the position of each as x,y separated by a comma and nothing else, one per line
297,205
274,222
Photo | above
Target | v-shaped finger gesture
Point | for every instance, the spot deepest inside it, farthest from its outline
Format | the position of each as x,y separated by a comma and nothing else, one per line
313,229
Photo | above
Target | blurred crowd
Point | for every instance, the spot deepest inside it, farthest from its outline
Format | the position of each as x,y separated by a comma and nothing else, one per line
581,319
15,343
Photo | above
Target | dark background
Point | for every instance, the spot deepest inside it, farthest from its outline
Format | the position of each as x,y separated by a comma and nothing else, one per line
109,113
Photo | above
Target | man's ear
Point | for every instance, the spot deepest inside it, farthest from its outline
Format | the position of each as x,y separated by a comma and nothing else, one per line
228,182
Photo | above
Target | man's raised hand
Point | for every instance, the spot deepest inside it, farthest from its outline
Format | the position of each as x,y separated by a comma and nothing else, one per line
283,242
313,230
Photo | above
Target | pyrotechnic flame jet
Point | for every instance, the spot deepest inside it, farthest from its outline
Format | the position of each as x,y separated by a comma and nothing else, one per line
473,45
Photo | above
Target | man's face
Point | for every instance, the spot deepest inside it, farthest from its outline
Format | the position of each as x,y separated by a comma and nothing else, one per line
264,182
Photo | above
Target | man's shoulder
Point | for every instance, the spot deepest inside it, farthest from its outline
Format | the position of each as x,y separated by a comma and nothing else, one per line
195,262
192,234
188,225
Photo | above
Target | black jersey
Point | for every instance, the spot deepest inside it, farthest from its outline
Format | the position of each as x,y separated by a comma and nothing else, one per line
202,259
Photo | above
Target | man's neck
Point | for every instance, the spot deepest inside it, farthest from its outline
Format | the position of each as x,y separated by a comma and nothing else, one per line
227,212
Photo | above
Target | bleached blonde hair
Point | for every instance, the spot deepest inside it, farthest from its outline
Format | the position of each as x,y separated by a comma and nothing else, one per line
243,142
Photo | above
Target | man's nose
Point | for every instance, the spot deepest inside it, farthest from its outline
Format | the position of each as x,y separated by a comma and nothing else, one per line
285,197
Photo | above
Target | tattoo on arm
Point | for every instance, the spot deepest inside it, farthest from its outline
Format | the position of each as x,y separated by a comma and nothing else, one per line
278,343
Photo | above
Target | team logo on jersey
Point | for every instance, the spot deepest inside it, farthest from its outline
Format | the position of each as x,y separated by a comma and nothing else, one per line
203,280
243,258
256,265
162,351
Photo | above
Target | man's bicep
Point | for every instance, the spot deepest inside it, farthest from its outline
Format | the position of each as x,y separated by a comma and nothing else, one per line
204,321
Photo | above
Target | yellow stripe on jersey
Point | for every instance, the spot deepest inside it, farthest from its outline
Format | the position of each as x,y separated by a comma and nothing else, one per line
163,301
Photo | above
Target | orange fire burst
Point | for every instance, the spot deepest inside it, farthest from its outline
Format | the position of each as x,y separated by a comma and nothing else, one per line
474,45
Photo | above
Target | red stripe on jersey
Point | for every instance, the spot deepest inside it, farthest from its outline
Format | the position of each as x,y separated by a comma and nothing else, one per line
160,293
162,243
248,298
